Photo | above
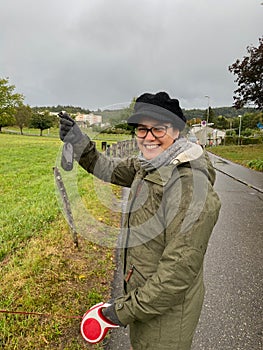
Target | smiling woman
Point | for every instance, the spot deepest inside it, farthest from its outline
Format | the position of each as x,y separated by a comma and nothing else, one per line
169,217
154,138
157,120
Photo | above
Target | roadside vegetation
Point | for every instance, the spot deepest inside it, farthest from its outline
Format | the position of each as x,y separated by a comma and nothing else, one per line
250,156
40,269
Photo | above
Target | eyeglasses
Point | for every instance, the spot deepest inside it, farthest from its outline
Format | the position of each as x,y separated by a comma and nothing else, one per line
157,131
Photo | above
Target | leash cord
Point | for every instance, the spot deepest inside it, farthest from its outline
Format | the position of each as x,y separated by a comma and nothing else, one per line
37,314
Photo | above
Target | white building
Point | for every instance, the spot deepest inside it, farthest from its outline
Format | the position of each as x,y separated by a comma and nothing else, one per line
208,136
88,119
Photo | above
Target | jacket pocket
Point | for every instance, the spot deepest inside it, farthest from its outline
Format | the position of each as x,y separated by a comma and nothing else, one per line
133,270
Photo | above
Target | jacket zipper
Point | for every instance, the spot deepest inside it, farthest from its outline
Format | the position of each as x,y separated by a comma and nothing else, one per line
130,272
138,189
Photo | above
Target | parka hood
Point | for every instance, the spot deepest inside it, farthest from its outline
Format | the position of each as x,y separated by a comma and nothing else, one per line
198,159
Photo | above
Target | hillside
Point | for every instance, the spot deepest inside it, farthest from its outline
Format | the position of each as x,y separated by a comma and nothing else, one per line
122,114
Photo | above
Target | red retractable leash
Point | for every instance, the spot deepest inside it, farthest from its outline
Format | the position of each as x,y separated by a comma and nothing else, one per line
94,326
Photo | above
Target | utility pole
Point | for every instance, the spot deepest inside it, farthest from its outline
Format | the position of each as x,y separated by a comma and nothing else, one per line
207,118
208,107
239,130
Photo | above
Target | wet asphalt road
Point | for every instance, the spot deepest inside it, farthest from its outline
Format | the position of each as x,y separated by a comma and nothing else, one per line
231,318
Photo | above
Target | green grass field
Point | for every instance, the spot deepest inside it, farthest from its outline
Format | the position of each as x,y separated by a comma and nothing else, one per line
40,269
54,132
250,156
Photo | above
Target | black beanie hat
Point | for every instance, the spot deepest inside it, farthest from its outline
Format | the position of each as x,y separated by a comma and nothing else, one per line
158,106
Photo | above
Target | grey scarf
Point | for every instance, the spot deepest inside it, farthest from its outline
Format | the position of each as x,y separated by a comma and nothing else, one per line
167,156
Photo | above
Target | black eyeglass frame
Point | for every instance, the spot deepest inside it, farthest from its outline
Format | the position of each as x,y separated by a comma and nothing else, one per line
165,127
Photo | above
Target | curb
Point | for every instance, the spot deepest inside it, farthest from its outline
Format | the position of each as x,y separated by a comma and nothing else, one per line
227,173
239,180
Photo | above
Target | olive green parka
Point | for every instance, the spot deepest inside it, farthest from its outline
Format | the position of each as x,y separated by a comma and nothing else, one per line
170,215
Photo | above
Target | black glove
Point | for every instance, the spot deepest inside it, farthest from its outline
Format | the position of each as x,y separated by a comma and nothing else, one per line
110,313
69,131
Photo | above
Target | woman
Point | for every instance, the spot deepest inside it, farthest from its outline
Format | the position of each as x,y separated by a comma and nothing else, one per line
170,215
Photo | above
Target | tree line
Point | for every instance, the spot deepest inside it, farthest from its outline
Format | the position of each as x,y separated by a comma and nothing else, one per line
14,112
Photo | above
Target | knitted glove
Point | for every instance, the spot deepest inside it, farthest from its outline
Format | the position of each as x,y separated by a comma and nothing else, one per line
110,313
69,131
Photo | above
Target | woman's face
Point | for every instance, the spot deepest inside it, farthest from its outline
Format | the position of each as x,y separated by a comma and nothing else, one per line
154,144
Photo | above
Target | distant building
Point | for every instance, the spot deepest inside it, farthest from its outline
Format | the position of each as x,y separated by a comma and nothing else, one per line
83,120
208,136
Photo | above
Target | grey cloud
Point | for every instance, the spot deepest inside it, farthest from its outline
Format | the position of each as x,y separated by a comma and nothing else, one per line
100,52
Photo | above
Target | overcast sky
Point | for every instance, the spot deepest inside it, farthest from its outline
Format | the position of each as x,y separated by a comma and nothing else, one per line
97,53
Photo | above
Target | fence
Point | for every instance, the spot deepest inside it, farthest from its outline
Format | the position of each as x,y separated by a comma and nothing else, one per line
121,148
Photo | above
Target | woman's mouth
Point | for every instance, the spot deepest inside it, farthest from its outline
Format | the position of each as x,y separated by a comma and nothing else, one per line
151,146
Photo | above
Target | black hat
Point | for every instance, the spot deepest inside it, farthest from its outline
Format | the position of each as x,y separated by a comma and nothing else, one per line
158,106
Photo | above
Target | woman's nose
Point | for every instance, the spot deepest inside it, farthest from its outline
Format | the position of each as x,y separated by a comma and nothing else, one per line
149,136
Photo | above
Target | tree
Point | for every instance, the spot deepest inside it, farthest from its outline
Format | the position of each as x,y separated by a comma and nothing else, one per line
8,103
123,114
127,112
6,120
250,120
221,122
249,74
22,116
209,115
41,121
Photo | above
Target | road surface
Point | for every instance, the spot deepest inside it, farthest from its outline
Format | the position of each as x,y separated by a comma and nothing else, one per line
231,318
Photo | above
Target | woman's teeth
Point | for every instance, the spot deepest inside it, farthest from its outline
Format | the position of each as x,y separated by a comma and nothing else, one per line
151,146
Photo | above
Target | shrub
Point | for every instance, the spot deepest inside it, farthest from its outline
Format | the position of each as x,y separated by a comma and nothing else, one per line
234,140
251,140
255,164
231,140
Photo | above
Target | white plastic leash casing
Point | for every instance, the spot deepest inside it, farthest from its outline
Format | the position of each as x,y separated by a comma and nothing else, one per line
94,326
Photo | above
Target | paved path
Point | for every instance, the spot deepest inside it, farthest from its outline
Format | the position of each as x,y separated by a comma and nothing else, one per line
231,318
249,177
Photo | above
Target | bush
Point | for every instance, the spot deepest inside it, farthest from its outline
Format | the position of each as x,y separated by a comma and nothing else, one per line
230,132
251,140
248,132
255,164
231,140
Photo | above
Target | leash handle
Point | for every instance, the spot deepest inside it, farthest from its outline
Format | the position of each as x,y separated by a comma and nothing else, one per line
94,326
67,157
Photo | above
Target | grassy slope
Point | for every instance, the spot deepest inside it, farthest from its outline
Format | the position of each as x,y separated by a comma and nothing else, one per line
40,270
249,155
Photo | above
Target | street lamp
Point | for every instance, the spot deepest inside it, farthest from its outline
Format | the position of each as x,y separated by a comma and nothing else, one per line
239,130
208,106
207,118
